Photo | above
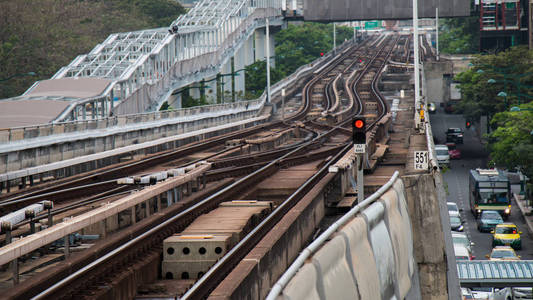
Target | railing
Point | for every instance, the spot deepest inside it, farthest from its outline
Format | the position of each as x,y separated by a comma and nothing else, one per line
14,134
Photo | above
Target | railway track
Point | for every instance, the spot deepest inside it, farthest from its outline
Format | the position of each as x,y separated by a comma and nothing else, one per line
88,274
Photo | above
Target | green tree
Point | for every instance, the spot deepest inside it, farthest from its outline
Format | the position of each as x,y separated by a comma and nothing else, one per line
459,35
511,144
41,36
296,45
255,78
507,71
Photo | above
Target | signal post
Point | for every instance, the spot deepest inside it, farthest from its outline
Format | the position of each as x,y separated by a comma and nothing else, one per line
359,143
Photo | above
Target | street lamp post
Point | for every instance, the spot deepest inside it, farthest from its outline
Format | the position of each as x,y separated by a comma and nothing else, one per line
503,94
518,85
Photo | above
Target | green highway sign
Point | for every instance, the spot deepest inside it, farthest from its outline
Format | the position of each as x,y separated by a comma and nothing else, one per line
371,24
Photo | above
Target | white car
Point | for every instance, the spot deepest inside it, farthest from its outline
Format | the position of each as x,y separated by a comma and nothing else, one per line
443,156
489,293
522,293
453,210
461,239
461,252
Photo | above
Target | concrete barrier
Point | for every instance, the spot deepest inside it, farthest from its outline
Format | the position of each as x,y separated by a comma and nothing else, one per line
377,251
399,238
304,285
335,274
379,238
361,258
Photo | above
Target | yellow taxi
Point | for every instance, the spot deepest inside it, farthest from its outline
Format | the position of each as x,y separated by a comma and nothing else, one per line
506,234
503,253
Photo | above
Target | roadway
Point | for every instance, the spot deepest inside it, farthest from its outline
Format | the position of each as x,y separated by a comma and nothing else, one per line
474,156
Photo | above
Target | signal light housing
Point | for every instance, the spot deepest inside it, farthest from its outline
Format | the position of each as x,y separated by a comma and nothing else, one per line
359,130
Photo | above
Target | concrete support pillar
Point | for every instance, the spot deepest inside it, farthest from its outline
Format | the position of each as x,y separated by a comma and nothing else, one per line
66,246
239,62
194,91
15,270
133,215
50,218
225,82
211,89
104,228
158,203
259,49
147,204
170,194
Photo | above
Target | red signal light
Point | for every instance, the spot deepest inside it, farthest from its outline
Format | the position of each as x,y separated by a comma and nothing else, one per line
360,60
359,124
321,53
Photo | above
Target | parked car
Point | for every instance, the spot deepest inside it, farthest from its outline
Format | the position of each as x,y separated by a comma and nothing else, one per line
488,220
456,223
454,135
461,239
502,253
453,151
453,210
506,234
443,157
461,253
522,293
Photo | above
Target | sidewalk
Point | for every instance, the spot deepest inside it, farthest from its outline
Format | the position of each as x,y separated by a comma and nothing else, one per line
526,212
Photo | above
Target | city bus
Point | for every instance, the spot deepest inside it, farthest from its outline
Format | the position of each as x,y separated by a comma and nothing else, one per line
489,189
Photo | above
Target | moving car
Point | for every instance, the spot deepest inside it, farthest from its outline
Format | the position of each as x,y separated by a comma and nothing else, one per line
456,223
503,253
461,253
453,151
488,220
432,108
522,293
461,239
454,135
490,293
443,156
466,294
506,234
453,210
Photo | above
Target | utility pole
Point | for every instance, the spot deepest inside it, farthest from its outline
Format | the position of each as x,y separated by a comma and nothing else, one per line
529,18
334,38
417,66
268,59
437,30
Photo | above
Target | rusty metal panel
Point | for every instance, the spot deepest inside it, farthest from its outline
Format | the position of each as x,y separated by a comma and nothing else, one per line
345,10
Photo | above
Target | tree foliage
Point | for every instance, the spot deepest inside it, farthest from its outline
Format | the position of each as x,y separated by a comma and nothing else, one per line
459,35
511,144
510,71
296,45
41,36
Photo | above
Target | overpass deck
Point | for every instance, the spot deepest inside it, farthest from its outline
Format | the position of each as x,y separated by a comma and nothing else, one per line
500,274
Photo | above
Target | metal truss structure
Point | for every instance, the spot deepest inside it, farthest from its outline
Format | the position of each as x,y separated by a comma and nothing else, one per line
145,65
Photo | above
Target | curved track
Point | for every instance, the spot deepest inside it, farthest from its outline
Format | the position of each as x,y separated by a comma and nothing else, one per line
230,178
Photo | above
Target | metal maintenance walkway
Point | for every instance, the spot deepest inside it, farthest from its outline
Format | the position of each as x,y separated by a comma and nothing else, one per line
139,70
500,274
